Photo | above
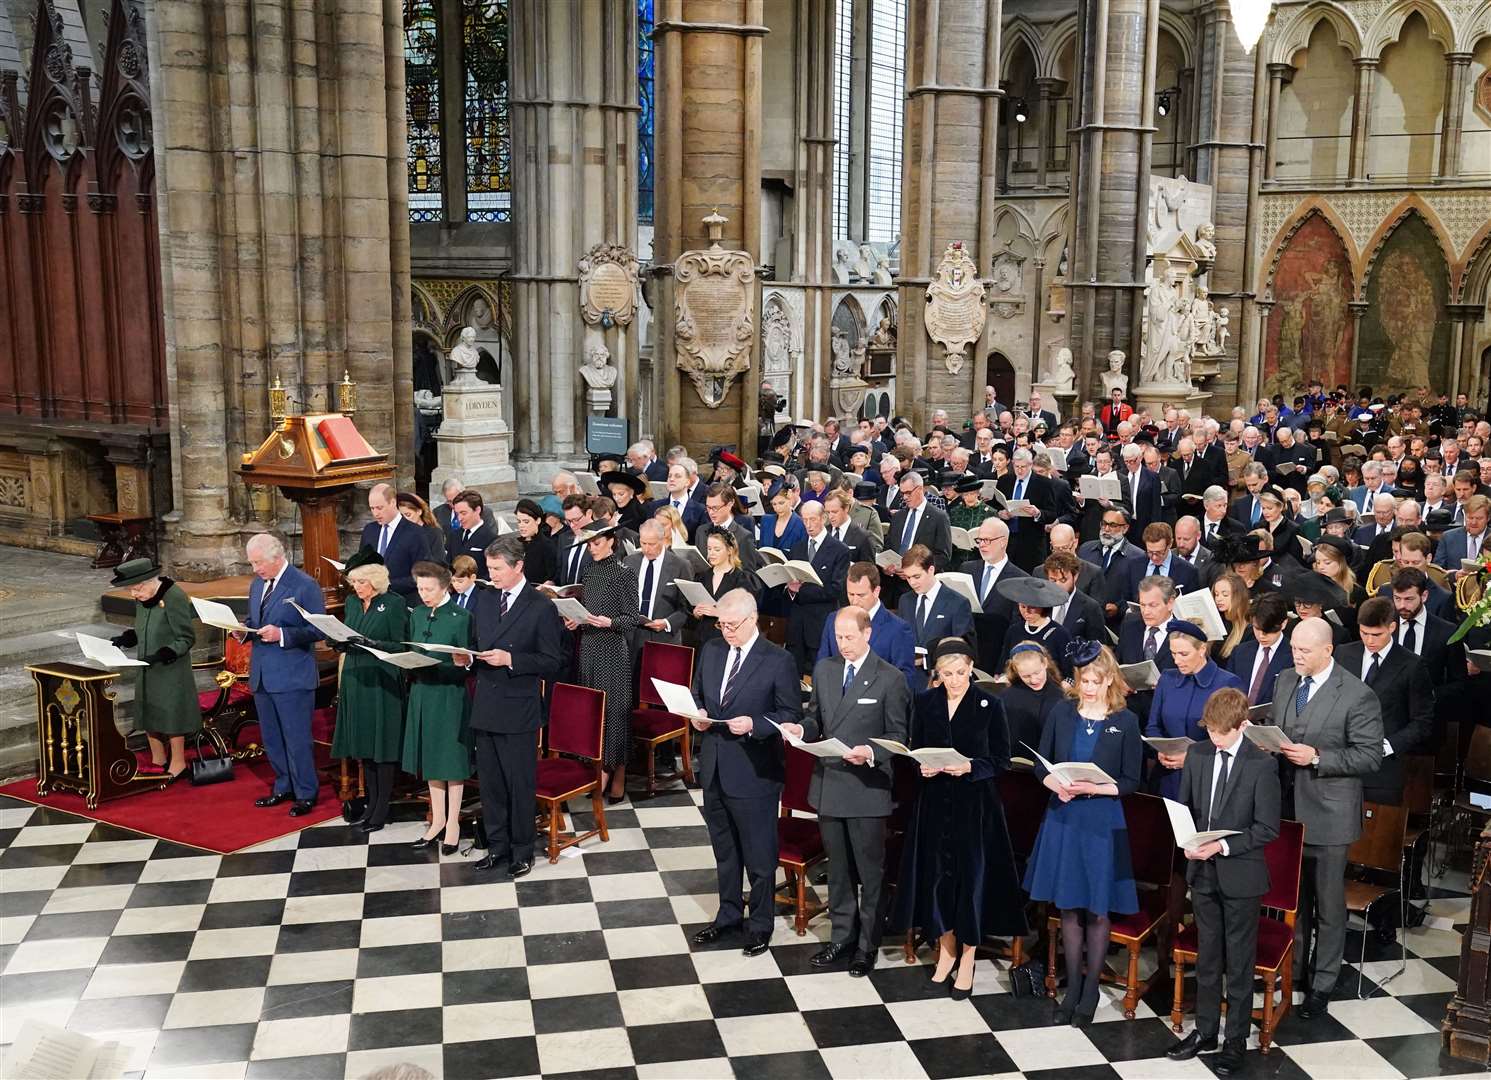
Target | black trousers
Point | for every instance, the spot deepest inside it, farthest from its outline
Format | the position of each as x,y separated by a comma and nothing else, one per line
856,877
378,778
743,833
506,769
1227,932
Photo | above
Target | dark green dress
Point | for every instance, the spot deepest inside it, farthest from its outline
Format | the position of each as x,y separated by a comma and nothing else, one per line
437,741
166,693
370,701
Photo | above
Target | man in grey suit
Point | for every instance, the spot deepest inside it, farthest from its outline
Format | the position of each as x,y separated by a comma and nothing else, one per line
1334,723
856,697
656,568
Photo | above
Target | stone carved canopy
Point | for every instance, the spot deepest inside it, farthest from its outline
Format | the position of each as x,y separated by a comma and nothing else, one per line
608,285
955,305
714,323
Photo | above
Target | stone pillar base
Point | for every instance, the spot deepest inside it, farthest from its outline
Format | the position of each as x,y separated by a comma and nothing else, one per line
1065,396
475,445
1158,398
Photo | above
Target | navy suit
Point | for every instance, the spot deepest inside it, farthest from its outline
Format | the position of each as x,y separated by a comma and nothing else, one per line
742,774
657,470
1146,510
949,615
891,639
811,609
1131,636
407,545
692,511
1241,662
1453,546
283,677
1126,578
1440,601
474,545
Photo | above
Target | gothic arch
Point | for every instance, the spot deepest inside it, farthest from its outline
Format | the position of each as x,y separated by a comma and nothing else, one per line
425,313
1023,229
1475,270
1180,28
1056,41
1314,206
1476,27
1411,204
1296,35
1388,26
1018,30
456,316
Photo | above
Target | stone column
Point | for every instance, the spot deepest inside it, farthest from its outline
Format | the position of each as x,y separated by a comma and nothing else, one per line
1357,310
1048,90
279,137
708,136
1278,75
1117,47
1361,119
574,110
1452,117
812,256
949,184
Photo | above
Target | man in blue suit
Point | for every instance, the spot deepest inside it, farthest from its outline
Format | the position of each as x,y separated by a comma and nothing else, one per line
933,611
1258,660
891,638
1160,558
282,673
691,510
812,606
1143,636
1467,541
749,685
401,543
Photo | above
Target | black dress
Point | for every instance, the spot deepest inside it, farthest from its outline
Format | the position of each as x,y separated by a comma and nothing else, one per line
1026,709
540,559
606,652
957,866
708,627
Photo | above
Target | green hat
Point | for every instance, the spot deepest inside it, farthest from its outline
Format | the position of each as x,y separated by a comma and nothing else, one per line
366,555
134,572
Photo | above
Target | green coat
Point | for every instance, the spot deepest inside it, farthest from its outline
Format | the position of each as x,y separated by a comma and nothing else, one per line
166,694
370,701
437,742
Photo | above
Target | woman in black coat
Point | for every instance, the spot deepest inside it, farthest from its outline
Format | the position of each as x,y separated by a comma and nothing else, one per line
1034,690
958,882
540,554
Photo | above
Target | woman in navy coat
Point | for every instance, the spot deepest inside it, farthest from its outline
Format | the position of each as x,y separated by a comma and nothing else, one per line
1081,860
1181,694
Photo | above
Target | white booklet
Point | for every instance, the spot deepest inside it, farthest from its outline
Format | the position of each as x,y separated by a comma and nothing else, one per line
1016,507
658,489
824,748
962,584
776,574
1199,607
1178,745
589,482
213,613
679,700
962,538
406,660
1481,658
775,556
1106,486
989,492
935,757
1141,676
44,1052
103,651
1069,772
1058,458
888,560
329,625
695,593
430,646
1268,736
1183,825
572,609
341,567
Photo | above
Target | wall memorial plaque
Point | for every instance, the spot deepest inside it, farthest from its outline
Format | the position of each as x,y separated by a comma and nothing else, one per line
955,305
608,285
714,327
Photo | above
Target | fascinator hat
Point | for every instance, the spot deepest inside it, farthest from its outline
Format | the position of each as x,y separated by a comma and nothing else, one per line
1082,652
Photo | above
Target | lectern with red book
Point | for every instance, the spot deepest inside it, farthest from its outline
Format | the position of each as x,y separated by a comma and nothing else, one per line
313,460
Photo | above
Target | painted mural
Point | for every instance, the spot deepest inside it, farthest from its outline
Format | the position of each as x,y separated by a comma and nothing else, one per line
1309,329
1405,337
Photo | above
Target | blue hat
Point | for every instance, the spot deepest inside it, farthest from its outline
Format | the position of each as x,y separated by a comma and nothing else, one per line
1189,629
1081,652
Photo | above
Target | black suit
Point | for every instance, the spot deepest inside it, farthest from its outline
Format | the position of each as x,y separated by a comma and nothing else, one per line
1028,535
932,530
571,561
1406,695
998,612
407,545
745,539
1147,509
1229,526
474,545
813,604
742,774
1444,663
861,547
1195,477
507,712
1083,618
1226,890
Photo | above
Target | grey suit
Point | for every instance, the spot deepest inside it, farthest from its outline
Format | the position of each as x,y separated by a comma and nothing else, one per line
667,602
854,801
1343,722
866,518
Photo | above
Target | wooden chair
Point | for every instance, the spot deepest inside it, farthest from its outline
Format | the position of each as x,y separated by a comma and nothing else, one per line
799,842
1024,798
1474,775
1285,857
652,724
229,708
1379,847
577,718
1152,853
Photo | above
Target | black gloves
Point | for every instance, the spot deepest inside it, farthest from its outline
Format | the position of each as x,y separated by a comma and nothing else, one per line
163,655
126,640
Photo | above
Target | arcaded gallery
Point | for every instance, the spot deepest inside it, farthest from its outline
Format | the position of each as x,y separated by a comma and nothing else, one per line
745,538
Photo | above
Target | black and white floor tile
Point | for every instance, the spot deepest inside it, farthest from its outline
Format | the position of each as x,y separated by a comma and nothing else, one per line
331,954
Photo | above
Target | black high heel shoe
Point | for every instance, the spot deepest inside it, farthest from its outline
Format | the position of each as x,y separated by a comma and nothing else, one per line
1086,1008
448,849
425,841
1067,1009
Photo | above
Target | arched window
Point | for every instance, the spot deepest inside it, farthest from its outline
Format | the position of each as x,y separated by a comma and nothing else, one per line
422,101
645,79
489,178
868,110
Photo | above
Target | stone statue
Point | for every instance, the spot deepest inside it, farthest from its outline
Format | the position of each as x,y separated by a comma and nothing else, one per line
1220,332
464,357
1206,241
841,266
1063,379
884,337
1166,359
864,266
1114,376
843,363
600,376
882,270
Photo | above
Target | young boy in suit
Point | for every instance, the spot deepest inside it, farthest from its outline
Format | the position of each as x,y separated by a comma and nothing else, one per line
1228,783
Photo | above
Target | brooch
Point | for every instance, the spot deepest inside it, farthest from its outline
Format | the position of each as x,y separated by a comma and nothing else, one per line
1111,730
983,704
378,608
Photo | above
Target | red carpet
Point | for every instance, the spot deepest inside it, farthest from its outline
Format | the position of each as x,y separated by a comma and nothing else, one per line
218,817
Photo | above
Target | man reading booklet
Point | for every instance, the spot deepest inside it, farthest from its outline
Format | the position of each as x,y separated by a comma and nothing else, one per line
1228,785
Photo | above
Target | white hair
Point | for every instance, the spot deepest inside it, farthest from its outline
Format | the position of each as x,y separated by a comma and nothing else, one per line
913,478
1132,452
1021,455
266,544
689,465
1384,499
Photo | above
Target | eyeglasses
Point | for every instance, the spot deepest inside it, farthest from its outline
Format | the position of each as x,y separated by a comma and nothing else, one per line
731,627
987,539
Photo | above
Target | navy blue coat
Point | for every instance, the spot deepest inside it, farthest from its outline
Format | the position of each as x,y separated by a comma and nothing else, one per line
408,545
891,639
692,512
288,665
1240,663
1127,577
767,689
1119,753
1176,710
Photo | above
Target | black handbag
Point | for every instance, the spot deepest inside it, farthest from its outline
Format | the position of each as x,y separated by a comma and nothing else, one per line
210,770
1028,979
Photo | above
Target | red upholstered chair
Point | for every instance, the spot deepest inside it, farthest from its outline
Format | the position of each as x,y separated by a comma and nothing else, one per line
1152,852
799,843
652,724
1284,856
229,708
577,717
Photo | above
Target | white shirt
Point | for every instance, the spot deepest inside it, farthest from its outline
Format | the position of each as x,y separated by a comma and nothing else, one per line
643,600
512,594
1318,680
1216,774
745,650
1367,655
1420,625
931,597
990,573
874,611
1258,659
469,595
391,526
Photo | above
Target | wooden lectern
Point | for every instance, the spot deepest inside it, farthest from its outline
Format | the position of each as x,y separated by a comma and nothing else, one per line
79,748
313,460
1466,1030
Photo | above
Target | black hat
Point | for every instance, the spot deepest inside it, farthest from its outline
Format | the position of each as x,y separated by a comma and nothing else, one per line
866,489
968,482
860,448
1336,515
638,484
367,555
134,572
776,488
1032,592
1315,588
1343,547
782,437
1273,491
617,459
952,646
1082,652
949,478
1230,550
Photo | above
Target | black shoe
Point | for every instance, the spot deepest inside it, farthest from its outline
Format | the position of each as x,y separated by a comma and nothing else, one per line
712,933
959,993
830,954
369,826
424,842
613,800
448,849
1231,1059
1068,1007
1314,1005
489,862
273,800
1416,914
302,807
1193,1044
1087,1008
862,964
756,944
516,869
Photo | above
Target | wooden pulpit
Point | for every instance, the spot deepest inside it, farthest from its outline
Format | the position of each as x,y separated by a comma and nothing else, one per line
313,460
1466,1030
79,748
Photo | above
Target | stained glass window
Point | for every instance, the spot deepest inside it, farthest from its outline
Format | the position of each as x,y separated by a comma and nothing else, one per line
887,88
645,79
489,188
843,65
422,101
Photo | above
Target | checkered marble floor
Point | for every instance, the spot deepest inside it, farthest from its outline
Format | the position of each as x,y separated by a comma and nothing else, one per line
329,953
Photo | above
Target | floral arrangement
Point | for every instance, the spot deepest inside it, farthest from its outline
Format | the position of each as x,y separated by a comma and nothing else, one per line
1479,613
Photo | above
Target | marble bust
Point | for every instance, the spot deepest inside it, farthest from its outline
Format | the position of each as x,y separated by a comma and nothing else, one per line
1062,378
600,376
1115,376
464,356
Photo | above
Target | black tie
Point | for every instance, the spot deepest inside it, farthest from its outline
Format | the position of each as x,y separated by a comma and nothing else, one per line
461,600
1221,788
574,563
647,590
921,612
1410,639
1373,668
1151,643
730,679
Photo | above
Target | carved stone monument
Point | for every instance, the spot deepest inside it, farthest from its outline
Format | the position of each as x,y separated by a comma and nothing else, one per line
955,306
474,443
464,357
1060,382
1114,375
1181,330
600,377
608,285
714,329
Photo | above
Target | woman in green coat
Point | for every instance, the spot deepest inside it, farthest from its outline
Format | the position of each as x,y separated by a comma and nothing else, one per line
166,707
437,742
370,699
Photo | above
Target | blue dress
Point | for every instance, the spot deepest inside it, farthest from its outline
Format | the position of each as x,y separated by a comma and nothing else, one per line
774,601
1176,711
1081,856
